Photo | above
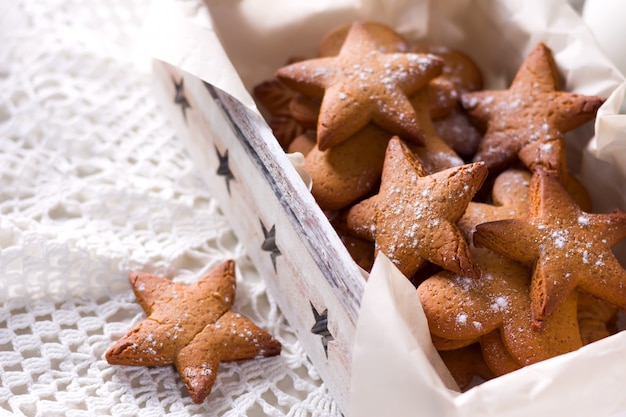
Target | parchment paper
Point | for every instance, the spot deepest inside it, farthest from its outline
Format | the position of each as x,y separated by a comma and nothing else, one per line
400,377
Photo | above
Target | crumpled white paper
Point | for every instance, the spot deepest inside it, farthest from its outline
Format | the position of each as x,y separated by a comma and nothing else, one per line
399,377
587,382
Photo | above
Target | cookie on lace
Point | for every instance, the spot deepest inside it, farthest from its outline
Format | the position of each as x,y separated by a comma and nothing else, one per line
362,85
191,327
566,247
413,217
526,120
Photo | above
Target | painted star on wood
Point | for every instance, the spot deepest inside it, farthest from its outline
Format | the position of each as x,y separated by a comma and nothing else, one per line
321,327
191,327
414,215
362,84
269,243
180,98
567,247
528,120
223,168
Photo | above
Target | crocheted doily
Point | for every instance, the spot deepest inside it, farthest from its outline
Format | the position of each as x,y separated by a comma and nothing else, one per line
94,183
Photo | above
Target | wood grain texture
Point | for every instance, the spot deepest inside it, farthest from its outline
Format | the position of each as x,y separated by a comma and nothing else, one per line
311,269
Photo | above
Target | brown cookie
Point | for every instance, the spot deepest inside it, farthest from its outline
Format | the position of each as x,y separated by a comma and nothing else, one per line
358,219
509,199
529,119
305,111
466,364
458,132
459,75
362,85
443,345
596,318
434,153
303,143
566,247
495,354
461,308
348,171
191,327
534,156
275,98
285,129
361,250
458,68
415,215
387,40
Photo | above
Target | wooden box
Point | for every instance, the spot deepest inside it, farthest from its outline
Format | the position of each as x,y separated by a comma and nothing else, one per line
307,268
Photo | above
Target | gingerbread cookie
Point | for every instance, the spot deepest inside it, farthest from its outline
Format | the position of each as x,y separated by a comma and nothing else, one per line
596,318
348,171
303,143
275,98
466,364
528,119
362,85
415,215
435,153
458,132
495,354
443,344
509,199
305,111
361,250
191,327
459,75
387,40
566,247
461,308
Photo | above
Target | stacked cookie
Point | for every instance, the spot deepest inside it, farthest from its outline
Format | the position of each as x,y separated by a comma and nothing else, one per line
466,190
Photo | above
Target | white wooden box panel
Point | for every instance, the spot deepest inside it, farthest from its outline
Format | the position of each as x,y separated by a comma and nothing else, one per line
305,265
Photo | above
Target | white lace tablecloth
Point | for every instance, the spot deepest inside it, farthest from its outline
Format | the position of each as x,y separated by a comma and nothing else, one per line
94,183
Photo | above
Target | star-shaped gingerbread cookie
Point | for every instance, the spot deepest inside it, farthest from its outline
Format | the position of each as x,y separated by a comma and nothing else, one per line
362,85
528,120
191,327
414,214
462,309
566,247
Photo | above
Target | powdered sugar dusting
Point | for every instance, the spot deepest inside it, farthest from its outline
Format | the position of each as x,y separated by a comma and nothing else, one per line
501,303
